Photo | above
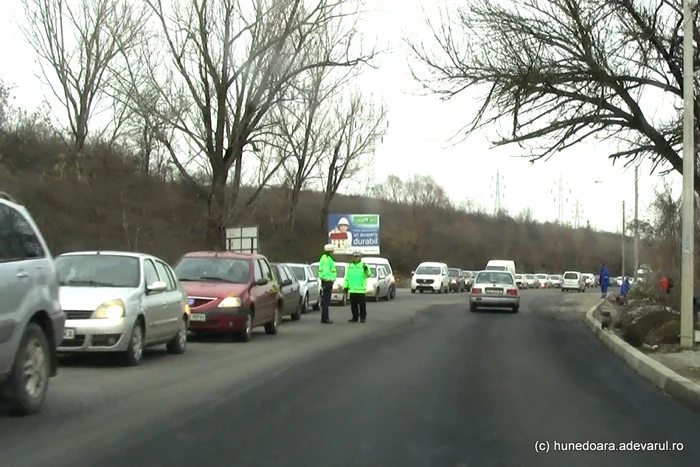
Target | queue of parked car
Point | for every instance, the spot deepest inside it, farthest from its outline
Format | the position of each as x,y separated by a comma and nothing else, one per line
125,302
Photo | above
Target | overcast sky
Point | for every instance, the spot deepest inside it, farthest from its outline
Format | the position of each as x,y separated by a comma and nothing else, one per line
419,131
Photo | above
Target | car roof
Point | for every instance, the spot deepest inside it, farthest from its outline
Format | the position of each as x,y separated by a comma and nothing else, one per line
222,254
131,254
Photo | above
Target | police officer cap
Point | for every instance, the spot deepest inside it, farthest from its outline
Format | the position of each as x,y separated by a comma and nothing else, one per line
328,247
357,253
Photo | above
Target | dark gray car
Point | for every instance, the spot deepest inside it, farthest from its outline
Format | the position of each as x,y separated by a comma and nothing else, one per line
31,319
290,291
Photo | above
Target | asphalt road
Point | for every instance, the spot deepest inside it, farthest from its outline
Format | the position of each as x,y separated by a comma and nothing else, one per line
444,387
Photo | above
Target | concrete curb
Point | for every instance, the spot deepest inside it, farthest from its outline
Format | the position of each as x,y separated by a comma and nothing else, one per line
664,378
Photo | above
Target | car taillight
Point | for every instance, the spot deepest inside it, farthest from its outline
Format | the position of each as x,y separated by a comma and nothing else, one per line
476,290
512,291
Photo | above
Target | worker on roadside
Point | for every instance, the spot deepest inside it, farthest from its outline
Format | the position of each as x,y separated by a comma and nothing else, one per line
328,274
356,284
625,290
604,280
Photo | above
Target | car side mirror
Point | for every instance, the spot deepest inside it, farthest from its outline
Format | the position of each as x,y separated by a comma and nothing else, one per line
413,272
157,286
262,281
286,282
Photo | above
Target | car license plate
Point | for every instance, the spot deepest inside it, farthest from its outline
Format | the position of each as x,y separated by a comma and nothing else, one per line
496,291
69,333
198,317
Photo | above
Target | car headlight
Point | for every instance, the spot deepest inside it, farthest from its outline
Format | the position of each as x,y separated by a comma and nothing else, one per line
230,302
114,309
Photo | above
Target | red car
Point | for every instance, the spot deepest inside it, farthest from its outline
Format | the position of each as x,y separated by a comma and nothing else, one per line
230,293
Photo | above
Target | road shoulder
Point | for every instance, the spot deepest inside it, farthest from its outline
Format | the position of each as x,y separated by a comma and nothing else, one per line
661,376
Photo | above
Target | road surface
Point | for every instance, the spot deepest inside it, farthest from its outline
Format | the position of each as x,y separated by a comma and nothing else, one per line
446,388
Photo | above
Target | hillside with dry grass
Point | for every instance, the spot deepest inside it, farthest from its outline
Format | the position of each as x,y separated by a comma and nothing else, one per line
121,206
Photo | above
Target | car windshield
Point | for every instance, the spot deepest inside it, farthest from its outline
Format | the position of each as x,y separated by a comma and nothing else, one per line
235,271
468,274
570,275
454,272
555,278
518,276
98,271
541,276
494,278
299,272
340,271
428,271
496,268
530,276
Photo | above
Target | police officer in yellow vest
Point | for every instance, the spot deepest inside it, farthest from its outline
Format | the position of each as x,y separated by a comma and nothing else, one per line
356,283
328,274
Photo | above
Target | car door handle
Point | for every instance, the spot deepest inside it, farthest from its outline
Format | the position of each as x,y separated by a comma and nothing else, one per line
22,275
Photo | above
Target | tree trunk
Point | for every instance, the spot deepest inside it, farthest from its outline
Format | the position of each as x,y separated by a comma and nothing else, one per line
216,212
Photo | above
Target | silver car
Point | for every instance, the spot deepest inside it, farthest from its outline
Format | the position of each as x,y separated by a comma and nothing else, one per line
494,289
531,281
31,319
554,281
310,286
121,302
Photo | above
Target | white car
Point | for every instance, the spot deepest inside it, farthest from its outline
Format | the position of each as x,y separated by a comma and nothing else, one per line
431,276
554,281
573,280
390,271
339,295
531,281
494,289
378,283
618,281
542,280
309,285
121,302
589,279
520,281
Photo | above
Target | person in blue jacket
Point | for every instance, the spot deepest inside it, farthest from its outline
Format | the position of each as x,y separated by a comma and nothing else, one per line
625,289
604,280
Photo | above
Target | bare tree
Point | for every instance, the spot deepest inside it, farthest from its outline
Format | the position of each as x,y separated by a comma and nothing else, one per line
359,127
563,71
79,44
392,189
233,62
304,119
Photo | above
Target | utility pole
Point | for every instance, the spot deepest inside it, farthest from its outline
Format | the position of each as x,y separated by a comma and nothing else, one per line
636,220
497,197
624,238
688,200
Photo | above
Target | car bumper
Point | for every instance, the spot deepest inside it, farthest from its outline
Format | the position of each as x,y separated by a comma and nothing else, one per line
495,302
219,320
98,335
430,287
337,296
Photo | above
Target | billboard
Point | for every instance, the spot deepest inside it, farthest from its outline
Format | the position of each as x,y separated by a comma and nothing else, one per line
354,232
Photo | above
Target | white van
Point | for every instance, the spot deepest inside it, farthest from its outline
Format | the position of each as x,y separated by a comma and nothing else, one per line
573,280
431,276
501,265
390,271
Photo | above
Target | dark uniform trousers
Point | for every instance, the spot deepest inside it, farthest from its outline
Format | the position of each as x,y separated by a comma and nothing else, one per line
358,306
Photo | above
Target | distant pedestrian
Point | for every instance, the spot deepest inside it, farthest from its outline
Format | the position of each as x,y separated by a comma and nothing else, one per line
356,284
604,280
625,290
328,274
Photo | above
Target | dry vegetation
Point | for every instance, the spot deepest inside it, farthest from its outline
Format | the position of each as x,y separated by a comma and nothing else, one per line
121,206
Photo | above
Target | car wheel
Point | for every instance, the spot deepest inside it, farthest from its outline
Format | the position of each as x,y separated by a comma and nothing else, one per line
414,290
178,344
421,291
392,295
273,326
28,384
247,333
516,308
473,308
296,316
134,354
376,296
305,303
